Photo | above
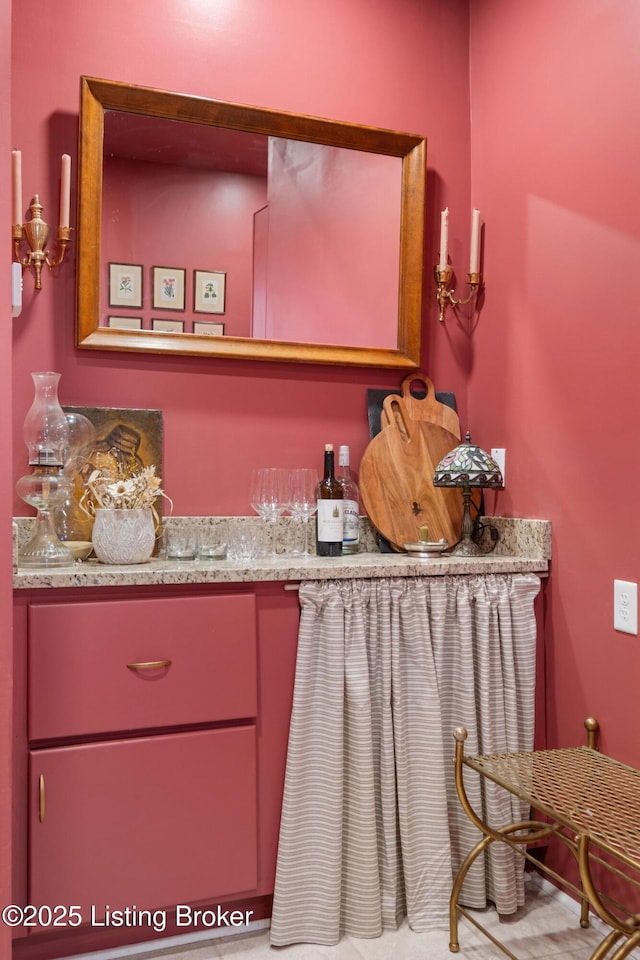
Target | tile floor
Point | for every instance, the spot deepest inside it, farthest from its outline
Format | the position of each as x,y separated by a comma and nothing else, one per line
546,927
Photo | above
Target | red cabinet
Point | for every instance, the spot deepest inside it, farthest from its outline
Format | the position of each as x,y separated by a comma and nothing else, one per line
152,821
151,767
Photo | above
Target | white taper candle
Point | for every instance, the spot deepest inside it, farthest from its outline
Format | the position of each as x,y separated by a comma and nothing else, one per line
474,258
444,239
16,184
65,189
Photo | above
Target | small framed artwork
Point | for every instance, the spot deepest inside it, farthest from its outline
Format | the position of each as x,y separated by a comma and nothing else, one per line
125,323
208,328
208,291
168,288
167,326
125,285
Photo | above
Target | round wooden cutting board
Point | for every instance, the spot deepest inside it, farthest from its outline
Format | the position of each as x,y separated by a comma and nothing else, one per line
396,480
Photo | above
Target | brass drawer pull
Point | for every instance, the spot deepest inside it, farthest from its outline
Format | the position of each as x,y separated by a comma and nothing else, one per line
41,798
149,665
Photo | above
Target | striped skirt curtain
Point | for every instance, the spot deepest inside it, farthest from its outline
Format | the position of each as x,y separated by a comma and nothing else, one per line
371,826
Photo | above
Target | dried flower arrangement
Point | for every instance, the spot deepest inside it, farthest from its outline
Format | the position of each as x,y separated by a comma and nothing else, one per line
139,490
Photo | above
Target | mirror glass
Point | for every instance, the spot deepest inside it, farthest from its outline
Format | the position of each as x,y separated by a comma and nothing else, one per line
217,229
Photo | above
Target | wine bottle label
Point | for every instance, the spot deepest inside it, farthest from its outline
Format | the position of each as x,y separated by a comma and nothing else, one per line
330,521
351,526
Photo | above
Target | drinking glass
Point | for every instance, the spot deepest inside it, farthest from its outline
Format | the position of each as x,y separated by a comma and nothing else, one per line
302,501
180,540
244,542
269,496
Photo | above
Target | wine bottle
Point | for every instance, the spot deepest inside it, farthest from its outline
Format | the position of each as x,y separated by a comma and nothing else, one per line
351,527
330,512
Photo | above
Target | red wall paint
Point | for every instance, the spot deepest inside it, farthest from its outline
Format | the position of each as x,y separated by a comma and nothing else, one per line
401,65
555,160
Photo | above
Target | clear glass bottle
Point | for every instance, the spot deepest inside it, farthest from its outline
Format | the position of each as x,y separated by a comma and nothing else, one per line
351,526
330,514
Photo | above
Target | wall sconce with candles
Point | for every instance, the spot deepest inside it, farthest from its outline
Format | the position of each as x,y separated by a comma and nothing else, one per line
36,231
443,272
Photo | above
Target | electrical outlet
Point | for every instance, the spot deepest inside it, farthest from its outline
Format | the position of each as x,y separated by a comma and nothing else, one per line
625,606
499,454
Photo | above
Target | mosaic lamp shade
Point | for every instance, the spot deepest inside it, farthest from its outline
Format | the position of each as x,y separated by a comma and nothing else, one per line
467,466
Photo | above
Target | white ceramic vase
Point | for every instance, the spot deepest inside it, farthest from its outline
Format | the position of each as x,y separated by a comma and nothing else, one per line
123,536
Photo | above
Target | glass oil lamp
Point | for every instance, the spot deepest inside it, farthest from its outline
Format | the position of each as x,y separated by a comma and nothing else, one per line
46,434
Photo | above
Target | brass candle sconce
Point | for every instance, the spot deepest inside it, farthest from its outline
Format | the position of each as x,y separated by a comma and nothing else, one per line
36,233
36,230
444,293
443,272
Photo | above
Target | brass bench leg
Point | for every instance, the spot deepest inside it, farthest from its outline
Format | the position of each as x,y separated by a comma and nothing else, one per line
466,865
625,948
603,948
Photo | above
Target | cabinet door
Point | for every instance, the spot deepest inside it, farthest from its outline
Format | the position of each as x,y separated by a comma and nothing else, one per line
150,822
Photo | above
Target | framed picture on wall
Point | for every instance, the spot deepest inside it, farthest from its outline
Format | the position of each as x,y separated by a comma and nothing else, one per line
209,291
125,285
167,326
208,328
125,323
127,440
168,288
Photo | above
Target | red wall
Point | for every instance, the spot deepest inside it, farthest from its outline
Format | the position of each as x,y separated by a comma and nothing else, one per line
555,160
400,65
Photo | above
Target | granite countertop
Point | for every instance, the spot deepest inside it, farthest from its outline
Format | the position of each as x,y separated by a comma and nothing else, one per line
524,547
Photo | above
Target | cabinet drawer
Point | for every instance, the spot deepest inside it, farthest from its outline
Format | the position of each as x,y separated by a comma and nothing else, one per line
83,678
152,821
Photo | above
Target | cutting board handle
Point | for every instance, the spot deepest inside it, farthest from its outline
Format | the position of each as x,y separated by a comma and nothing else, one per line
429,389
397,415
427,408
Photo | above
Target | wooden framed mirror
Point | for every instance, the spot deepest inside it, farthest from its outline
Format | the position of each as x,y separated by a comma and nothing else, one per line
208,228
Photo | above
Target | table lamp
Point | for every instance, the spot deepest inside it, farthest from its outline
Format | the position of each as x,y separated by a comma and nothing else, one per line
468,467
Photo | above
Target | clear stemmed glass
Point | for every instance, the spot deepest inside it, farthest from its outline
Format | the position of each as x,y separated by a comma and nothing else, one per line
302,501
269,496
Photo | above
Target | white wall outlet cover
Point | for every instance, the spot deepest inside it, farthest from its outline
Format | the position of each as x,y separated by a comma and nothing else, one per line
625,606
499,454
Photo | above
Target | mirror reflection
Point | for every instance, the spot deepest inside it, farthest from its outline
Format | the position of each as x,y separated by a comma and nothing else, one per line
225,238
